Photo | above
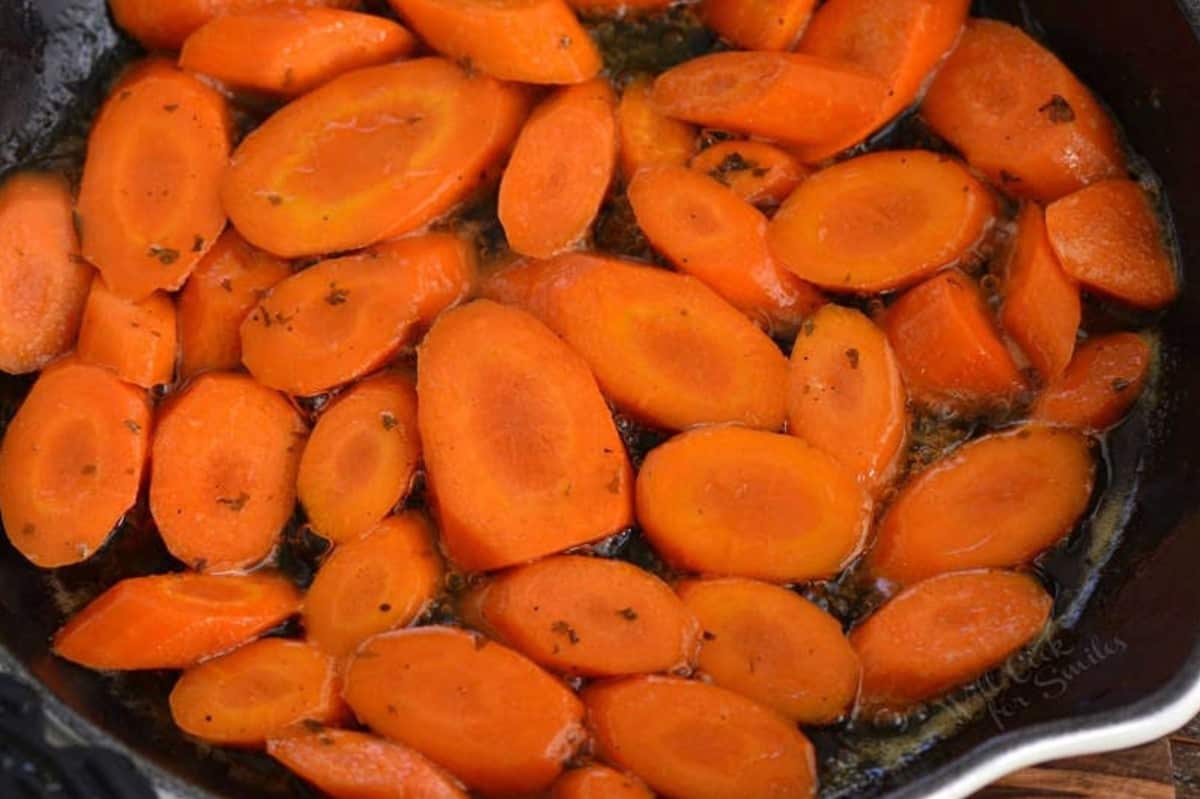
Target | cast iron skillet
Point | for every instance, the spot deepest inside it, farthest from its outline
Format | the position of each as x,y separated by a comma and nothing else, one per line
1125,667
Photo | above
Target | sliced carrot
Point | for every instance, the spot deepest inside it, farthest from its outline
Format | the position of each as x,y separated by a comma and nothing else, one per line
1103,380
647,137
944,632
344,317
223,475
1108,237
424,687
71,462
731,501
881,221
560,170
43,285
136,339
370,155
599,782
172,621
543,469
530,41
528,283
686,738
709,232
759,24
759,173
165,26
149,204
1019,115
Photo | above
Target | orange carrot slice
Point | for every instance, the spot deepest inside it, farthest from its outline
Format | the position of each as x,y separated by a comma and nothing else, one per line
165,26
647,137
758,25
599,782
759,173
137,340
1103,380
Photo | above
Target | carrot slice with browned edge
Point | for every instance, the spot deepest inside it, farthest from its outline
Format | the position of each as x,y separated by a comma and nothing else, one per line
545,469
599,782
43,284
423,687
370,155
172,621
137,340
944,632
709,232
71,462
732,501
845,393
356,765
589,616
758,24
686,738
165,26
290,51
223,473
760,173
881,221
560,170
1108,237
381,581
342,318
149,202
256,692
648,137
1103,380
1018,114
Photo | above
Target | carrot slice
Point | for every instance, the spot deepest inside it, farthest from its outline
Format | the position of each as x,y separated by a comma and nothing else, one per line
165,26
589,616
1107,236
599,782
1103,380
881,221
370,155
423,687
344,317
687,738
43,285
545,469
172,621
846,396
223,475
149,204
381,581
759,173
560,170
647,137
1019,115
355,765
731,501
256,692
289,51
760,24
944,632
137,340
709,232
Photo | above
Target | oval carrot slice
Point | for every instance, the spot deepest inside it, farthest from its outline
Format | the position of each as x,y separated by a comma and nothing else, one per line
845,394
647,137
731,501
1107,236
71,462
136,339
709,232
1103,380
223,476
165,26
423,687
599,782
759,173
43,284
560,170
944,632
881,221
172,621
545,469
149,202
370,155
758,25
346,316
686,738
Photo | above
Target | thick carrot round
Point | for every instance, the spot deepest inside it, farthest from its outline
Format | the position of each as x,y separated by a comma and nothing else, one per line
599,782
881,221
424,687
1103,380
731,501
223,474
136,339
648,137
165,26
757,25
71,462
760,173
173,621
522,454
370,155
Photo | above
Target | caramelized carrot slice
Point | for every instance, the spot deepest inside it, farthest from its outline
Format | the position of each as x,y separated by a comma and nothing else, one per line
137,340
599,782
223,476
759,24
1103,380
370,155
149,204
423,687
686,738
545,469
172,621
731,501
165,26
647,137
759,173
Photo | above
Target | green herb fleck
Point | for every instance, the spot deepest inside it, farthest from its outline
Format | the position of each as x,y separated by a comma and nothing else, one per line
165,255
562,628
1058,110
628,614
